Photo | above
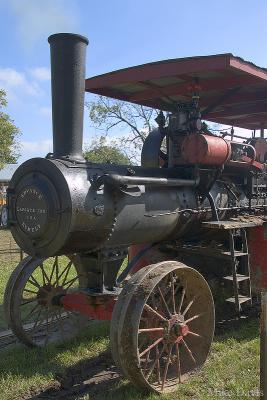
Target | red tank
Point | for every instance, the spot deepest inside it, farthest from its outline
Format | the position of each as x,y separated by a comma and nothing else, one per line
204,149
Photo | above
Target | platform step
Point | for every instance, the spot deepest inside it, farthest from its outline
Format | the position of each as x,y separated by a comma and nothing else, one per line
231,225
237,253
239,277
242,299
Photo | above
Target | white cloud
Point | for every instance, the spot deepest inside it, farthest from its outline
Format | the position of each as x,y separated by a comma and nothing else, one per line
36,148
41,73
46,111
38,19
16,84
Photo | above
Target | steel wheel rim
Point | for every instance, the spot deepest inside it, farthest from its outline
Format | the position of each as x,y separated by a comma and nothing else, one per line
44,322
119,313
158,369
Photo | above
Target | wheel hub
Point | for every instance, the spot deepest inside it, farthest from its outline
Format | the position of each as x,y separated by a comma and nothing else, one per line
47,293
177,329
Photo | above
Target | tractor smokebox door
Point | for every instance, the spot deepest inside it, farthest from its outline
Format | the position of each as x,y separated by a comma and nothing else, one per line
32,211
39,211
34,206
204,149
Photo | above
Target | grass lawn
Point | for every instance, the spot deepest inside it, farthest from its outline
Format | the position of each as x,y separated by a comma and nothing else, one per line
7,263
231,372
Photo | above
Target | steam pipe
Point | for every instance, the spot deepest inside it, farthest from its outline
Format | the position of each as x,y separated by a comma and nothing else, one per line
68,53
122,180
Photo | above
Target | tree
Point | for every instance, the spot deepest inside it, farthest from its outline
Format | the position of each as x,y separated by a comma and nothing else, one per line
135,120
8,135
103,151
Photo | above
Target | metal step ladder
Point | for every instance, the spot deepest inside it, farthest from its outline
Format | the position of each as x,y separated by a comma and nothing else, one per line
239,259
240,269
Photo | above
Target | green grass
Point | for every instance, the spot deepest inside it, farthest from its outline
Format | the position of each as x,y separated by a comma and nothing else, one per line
23,370
7,264
6,267
231,372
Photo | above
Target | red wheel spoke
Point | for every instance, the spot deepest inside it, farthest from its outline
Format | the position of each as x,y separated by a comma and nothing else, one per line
142,342
173,295
164,301
57,270
34,282
45,277
194,334
29,291
178,363
36,321
151,347
192,318
67,273
53,269
146,360
151,310
143,330
181,301
189,351
64,270
189,306
28,301
156,362
166,368
32,312
158,365
70,282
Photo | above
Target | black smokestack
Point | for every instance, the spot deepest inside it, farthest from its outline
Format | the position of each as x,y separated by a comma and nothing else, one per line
68,53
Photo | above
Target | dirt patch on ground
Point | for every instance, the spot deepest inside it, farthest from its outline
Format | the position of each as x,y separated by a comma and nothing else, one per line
95,375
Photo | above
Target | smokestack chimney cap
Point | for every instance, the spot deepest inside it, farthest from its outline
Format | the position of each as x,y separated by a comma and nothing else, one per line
56,36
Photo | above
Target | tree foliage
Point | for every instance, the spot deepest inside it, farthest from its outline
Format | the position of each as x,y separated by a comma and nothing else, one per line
103,151
134,120
8,135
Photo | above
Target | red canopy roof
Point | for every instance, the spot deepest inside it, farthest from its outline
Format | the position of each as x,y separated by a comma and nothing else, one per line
232,91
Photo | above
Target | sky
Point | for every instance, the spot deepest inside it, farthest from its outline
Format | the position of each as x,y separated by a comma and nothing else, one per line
121,33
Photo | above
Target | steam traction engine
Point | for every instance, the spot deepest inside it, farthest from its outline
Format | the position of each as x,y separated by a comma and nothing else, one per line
185,214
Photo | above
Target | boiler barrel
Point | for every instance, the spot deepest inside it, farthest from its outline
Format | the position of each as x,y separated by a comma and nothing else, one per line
56,209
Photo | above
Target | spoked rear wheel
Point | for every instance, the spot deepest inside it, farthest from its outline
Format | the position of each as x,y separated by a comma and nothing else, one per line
29,308
165,328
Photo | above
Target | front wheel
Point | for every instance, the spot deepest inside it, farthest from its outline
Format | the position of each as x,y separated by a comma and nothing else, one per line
162,326
28,303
